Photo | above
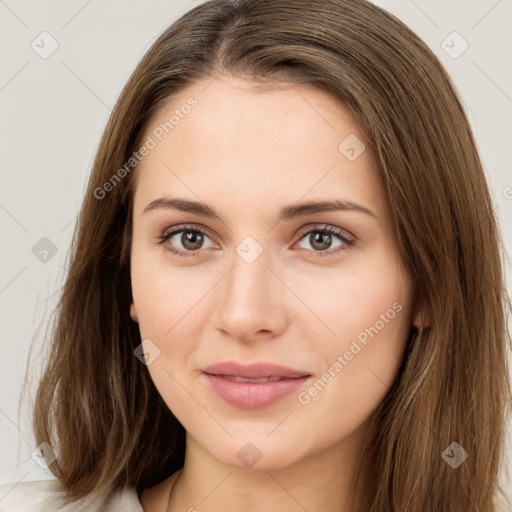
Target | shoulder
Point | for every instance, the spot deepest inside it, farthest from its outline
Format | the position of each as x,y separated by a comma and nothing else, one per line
35,496
50,496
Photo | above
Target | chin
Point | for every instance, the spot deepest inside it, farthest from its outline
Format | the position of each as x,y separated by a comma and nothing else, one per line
256,452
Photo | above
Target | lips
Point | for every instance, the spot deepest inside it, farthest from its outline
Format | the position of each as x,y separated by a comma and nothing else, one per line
253,371
253,386
246,379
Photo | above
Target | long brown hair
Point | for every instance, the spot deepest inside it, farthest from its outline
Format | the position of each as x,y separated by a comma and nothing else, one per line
96,403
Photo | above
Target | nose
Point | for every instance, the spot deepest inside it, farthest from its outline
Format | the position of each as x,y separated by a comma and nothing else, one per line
251,301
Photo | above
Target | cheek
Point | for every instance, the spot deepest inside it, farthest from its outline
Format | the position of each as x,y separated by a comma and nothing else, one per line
166,296
168,309
169,314
367,303
171,305
369,300
370,314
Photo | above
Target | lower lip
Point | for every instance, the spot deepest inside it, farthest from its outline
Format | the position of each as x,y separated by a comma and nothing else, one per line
253,395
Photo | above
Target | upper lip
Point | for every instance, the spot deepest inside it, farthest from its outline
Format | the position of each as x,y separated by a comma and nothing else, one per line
253,371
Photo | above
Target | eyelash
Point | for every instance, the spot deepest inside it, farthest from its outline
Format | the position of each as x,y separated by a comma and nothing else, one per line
347,240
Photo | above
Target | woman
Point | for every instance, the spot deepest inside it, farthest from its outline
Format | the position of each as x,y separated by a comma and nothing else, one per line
285,289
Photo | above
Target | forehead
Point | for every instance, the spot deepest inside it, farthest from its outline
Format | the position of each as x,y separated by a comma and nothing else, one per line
255,145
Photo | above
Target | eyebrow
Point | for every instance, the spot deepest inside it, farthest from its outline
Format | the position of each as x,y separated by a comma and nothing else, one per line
285,213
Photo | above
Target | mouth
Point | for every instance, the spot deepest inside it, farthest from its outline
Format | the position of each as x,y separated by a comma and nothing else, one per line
254,386
261,370
234,378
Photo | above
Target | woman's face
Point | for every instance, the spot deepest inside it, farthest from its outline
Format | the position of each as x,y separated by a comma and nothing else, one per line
260,286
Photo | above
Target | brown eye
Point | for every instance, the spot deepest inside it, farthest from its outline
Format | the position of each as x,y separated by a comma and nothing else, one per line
185,241
192,240
321,240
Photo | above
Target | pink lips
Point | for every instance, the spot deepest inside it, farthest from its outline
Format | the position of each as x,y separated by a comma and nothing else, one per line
237,385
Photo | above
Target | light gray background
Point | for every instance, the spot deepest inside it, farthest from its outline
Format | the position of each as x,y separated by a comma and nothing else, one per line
53,112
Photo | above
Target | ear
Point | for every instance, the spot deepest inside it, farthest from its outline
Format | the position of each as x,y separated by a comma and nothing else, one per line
421,318
133,313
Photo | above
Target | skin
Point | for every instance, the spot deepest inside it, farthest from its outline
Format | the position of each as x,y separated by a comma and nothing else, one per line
247,153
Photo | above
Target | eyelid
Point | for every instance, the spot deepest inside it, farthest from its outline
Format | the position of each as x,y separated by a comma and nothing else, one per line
300,233
172,230
329,228
344,235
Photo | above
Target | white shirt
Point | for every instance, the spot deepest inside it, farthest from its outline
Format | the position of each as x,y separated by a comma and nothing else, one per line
49,496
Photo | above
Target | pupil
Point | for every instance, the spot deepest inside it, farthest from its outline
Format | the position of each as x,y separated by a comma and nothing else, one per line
324,240
192,238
